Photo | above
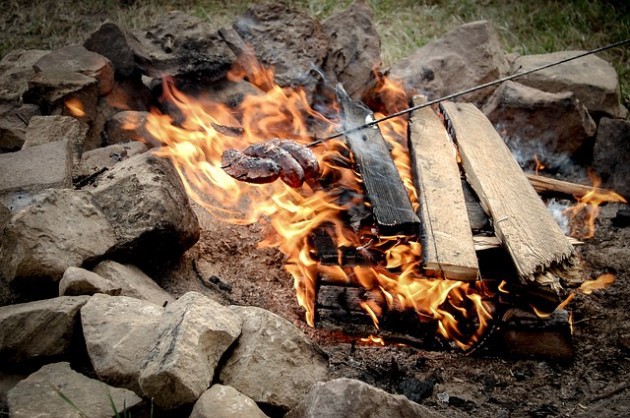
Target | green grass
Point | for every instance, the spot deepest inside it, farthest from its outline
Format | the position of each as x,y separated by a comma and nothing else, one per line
524,27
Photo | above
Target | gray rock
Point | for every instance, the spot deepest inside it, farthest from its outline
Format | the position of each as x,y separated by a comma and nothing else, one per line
118,332
354,50
27,172
79,281
128,126
194,333
465,57
16,68
132,282
99,159
225,402
13,123
351,398
75,58
39,395
46,129
112,42
52,89
181,45
39,330
60,229
612,153
144,199
273,362
593,80
556,122
287,39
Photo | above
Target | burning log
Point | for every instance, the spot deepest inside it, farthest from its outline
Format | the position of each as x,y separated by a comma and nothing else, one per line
384,188
447,242
520,218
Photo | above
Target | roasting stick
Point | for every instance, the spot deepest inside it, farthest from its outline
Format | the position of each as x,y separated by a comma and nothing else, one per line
466,91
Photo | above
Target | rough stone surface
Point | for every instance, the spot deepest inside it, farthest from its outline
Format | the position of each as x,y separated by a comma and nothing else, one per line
144,199
557,122
593,80
354,50
79,281
612,153
132,282
16,68
52,89
45,129
225,402
128,126
465,57
38,395
38,330
13,123
75,58
118,332
273,362
287,39
112,42
60,229
351,398
24,173
99,159
194,333
181,45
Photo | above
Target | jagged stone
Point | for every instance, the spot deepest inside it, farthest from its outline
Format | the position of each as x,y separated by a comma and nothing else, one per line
145,201
39,396
16,68
112,42
273,362
132,282
40,330
118,332
354,49
75,58
128,126
13,123
27,172
100,159
194,333
351,398
465,57
46,129
79,281
612,153
557,123
225,402
593,80
52,89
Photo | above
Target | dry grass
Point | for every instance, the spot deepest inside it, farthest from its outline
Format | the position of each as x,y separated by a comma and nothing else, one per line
526,27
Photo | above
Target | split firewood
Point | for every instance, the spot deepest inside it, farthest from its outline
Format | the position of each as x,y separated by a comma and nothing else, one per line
267,161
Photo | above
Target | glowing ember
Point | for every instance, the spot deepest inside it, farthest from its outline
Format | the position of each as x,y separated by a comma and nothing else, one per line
373,340
601,282
583,214
539,166
196,138
75,107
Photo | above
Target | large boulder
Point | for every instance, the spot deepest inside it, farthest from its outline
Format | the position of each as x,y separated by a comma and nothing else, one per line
16,68
530,118
112,42
40,395
351,398
273,362
354,49
118,332
194,333
40,330
145,201
612,153
465,57
79,281
225,402
593,80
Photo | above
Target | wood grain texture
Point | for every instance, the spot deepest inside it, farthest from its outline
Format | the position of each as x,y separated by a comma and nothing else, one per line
384,188
447,242
548,185
520,218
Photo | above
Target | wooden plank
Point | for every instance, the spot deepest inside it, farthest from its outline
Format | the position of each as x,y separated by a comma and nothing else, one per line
483,242
548,185
447,242
391,207
520,219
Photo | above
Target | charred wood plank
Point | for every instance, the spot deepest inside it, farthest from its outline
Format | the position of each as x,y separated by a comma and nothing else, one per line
384,188
546,185
520,218
447,242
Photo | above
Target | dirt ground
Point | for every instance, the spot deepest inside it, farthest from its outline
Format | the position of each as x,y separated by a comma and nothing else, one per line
227,266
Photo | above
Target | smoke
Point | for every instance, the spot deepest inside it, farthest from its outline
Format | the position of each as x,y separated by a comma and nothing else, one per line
557,209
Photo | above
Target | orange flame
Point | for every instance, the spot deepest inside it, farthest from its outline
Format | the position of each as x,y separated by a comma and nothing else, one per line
602,282
75,107
583,214
539,166
194,140
373,340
